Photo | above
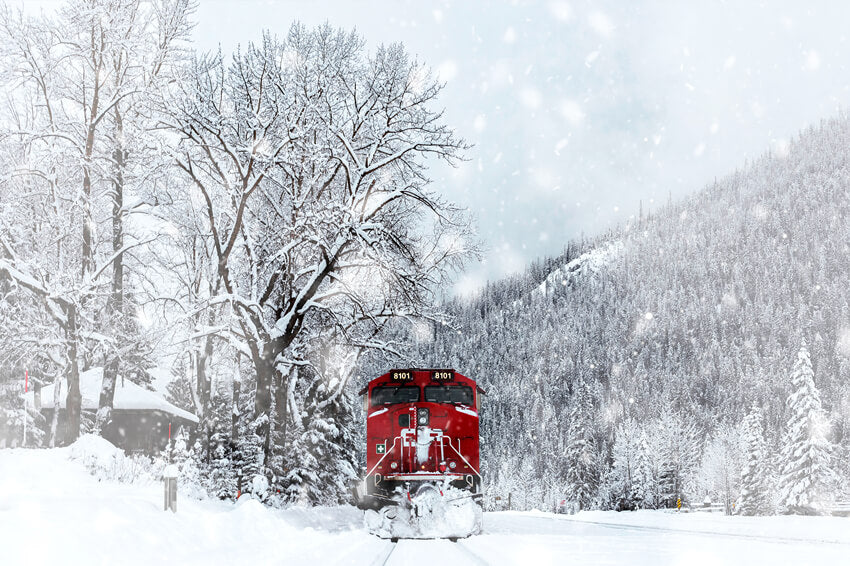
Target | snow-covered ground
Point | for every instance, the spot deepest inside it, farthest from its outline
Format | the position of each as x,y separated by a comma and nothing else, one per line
52,511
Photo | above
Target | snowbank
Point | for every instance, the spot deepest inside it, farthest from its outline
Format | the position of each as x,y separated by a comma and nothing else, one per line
52,511
95,452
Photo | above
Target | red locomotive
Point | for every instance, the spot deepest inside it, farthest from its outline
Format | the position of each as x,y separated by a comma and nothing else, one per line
422,429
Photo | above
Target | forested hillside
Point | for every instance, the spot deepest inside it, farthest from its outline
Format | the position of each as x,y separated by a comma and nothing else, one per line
636,356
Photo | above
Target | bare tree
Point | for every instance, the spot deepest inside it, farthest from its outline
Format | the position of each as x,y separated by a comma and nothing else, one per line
74,80
308,161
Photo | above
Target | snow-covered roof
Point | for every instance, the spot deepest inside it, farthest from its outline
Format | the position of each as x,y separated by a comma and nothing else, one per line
128,396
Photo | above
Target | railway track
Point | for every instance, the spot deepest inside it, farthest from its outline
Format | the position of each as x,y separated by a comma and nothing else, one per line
474,558
384,558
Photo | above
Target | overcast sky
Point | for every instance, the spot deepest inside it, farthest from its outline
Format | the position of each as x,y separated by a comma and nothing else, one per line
579,111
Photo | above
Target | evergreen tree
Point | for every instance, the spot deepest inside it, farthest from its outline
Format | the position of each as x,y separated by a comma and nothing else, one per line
166,455
625,481
806,452
521,497
189,479
722,466
179,449
221,477
581,457
248,461
12,413
679,455
325,463
645,478
755,486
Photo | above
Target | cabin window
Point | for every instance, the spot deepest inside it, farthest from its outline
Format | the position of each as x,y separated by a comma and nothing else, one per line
461,394
394,395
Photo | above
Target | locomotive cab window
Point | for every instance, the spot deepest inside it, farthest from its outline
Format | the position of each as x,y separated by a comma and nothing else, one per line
461,394
394,394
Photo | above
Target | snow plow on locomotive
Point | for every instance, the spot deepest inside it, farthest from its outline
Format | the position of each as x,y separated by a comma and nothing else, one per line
422,454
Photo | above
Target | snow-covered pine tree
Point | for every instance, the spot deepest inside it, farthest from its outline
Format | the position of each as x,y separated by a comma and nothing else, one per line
188,462
519,489
722,464
645,478
12,412
167,453
581,458
248,461
180,449
755,485
221,477
219,473
163,459
806,456
324,448
679,454
625,478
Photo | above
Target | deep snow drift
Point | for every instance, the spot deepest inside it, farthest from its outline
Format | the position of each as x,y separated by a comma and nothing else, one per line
433,512
53,511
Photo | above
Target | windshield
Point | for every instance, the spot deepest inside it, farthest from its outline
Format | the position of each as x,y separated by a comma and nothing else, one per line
449,394
395,394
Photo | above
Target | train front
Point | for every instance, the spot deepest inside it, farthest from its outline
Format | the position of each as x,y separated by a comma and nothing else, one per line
422,431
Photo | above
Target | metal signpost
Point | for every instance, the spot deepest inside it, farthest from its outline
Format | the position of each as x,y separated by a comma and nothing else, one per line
169,479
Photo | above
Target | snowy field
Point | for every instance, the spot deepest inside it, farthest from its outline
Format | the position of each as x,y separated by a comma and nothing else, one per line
52,511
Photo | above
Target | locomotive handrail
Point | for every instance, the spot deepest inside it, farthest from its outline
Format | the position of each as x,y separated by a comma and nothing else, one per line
457,451
387,453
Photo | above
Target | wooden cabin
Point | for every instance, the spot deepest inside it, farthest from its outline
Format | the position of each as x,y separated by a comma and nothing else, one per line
142,420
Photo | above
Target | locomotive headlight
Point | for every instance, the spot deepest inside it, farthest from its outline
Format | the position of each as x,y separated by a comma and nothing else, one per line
423,417
394,465
453,464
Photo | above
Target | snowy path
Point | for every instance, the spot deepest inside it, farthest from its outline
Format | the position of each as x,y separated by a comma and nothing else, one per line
522,538
53,512
634,539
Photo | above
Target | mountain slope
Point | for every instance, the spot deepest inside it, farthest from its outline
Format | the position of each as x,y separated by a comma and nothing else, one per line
698,314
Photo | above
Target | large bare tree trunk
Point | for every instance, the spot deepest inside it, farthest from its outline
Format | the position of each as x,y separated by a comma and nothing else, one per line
115,304
203,381
281,404
88,222
54,422
234,415
263,401
74,399
203,386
